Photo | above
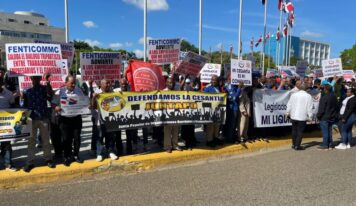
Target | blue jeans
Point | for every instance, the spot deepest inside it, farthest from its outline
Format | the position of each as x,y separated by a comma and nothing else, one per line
346,129
6,152
326,128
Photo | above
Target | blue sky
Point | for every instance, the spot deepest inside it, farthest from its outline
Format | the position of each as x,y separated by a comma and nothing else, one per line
119,23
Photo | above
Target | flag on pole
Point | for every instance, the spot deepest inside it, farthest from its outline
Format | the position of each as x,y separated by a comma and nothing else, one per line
280,5
291,19
278,35
285,30
289,7
263,2
258,41
268,35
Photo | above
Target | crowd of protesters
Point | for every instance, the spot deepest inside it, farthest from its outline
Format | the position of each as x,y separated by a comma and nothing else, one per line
63,133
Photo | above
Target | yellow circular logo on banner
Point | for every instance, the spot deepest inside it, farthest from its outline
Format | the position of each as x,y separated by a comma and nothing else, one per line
113,104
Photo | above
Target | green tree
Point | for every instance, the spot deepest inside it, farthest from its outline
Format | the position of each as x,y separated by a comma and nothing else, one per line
187,46
294,60
348,57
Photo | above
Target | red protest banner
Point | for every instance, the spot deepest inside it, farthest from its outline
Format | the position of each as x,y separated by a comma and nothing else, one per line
191,64
144,76
164,51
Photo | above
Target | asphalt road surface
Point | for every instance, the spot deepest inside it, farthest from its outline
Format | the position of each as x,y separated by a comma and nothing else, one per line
279,177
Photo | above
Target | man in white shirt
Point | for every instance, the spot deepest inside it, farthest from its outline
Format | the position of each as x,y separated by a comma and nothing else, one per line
299,109
70,125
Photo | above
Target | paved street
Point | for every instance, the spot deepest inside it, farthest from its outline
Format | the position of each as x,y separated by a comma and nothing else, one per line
279,177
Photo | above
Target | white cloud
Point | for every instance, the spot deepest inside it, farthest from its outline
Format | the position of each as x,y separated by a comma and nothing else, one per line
152,5
92,42
140,41
138,53
218,46
217,28
118,45
308,33
89,24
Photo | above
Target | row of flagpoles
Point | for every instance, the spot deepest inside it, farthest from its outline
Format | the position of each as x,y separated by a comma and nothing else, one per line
285,6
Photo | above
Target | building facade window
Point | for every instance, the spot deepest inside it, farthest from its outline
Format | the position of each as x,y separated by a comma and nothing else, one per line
12,20
17,34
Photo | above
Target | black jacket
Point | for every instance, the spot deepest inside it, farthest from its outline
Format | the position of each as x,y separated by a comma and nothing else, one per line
327,107
350,108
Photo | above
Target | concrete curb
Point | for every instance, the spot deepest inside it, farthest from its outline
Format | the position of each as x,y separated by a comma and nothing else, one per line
129,164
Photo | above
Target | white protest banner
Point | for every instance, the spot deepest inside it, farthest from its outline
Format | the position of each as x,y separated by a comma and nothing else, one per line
287,73
32,59
57,79
208,71
15,124
241,71
301,67
272,73
318,73
291,68
270,107
100,65
348,74
163,51
75,105
191,64
332,67
67,50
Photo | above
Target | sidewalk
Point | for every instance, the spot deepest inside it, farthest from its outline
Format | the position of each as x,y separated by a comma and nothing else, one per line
140,162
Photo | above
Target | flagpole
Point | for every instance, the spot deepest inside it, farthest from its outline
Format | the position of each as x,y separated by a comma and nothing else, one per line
200,24
66,20
240,30
145,31
263,40
269,51
286,46
279,41
221,54
290,45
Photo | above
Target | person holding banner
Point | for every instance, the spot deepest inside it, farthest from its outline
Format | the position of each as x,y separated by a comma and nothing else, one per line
212,129
35,99
108,137
245,112
70,124
131,134
6,101
299,110
187,131
171,132
232,111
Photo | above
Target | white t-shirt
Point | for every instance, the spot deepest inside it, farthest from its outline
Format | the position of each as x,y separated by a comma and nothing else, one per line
6,99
